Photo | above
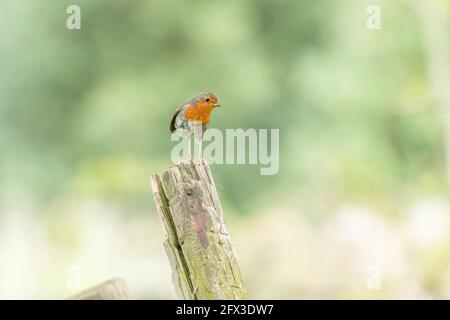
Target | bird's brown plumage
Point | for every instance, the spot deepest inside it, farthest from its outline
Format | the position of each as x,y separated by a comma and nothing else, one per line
196,109
172,122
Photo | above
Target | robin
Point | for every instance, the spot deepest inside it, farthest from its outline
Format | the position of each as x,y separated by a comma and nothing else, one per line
196,110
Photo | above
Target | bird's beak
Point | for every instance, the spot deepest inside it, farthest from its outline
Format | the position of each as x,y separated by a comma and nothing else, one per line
217,105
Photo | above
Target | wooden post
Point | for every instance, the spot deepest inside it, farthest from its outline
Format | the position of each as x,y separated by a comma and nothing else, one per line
197,242
114,289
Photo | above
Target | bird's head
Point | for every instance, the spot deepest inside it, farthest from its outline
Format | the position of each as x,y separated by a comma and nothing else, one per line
205,100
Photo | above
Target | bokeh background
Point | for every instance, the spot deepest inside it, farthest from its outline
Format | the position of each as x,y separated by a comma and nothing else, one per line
364,124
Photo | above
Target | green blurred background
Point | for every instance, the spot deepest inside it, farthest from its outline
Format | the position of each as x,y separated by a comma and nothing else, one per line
364,135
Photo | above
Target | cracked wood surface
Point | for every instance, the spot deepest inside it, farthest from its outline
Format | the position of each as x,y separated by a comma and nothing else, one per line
197,243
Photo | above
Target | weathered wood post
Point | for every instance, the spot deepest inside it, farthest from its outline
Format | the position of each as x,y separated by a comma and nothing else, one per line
197,242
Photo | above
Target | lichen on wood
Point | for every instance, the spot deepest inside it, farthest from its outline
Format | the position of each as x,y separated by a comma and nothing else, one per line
197,243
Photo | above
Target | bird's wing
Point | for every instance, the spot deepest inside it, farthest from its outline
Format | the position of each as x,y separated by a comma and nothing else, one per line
172,127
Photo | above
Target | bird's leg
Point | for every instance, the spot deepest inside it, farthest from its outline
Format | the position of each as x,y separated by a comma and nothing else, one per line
198,137
199,143
189,144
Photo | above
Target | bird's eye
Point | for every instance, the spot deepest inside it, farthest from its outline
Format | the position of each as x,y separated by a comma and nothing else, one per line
207,99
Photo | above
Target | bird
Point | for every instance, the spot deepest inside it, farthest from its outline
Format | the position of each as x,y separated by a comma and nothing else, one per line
197,110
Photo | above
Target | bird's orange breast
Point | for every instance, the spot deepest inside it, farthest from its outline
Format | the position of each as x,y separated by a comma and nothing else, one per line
200,113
